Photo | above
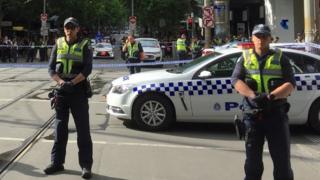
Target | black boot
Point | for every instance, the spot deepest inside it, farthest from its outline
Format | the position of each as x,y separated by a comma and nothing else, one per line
52,168
86,173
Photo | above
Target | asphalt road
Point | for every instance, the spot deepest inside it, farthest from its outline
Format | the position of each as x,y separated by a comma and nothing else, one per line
187,151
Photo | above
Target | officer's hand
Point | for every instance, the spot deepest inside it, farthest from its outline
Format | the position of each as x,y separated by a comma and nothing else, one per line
261,100
67,86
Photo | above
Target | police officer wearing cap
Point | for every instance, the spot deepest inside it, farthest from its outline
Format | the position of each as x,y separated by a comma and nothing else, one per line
264,77
70,65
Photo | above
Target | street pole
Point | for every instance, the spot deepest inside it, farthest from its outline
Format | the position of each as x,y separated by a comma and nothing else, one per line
308,20
132,14
44,6
132,8
44,39
193,26
207,35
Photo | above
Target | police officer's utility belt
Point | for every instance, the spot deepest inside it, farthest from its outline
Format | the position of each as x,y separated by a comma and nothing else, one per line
67,77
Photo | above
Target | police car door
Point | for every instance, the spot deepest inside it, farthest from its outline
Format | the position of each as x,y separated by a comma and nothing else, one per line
307,74
216,99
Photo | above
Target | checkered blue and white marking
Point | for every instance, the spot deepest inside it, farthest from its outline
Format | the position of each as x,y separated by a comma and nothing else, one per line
192,87
216,87
313,82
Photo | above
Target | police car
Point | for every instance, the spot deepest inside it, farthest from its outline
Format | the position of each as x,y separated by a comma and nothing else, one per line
201,91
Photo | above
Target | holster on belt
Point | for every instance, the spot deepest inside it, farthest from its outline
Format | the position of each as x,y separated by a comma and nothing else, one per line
53,96
88,89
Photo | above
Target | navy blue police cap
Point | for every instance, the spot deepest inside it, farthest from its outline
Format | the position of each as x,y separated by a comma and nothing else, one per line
261,29
71,20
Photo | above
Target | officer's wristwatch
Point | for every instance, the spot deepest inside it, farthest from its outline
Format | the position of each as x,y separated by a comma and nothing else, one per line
272,97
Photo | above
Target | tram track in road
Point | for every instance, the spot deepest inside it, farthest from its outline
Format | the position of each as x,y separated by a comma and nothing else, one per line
17,75
26,145
11,156
16,99
14,155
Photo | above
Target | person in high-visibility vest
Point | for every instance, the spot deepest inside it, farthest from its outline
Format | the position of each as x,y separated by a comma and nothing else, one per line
70,64
181,47
135,54
265,78
195,48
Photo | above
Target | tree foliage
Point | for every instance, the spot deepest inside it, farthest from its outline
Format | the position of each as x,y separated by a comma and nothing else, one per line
152,15
160,15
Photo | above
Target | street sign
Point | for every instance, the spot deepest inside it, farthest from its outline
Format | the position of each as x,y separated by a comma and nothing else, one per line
133,19
132,22
43,16
208,20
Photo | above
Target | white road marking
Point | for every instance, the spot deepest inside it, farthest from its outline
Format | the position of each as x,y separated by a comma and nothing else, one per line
11,139
308,151
47,100
137,144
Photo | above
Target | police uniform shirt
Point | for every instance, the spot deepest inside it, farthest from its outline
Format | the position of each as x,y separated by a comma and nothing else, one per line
86,62
286,68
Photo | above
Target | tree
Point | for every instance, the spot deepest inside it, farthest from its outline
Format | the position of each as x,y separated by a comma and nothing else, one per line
7,6
160,15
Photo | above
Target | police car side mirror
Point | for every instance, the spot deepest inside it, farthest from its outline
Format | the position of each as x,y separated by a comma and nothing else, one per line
205,74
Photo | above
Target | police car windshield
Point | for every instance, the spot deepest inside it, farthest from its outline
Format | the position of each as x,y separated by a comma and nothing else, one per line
189,66
149,43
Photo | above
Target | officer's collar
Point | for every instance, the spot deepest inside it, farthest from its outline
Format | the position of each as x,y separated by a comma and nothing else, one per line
269,52
73,42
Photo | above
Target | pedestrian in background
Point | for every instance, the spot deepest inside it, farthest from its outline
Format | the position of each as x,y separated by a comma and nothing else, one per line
135,54
70,65
43,50
276,39
300,38
15,50
7,49
32,50
265,78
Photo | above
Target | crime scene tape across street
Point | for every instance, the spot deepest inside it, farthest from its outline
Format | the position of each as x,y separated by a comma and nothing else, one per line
14,65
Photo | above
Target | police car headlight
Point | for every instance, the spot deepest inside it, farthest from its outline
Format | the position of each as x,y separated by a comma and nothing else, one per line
121,89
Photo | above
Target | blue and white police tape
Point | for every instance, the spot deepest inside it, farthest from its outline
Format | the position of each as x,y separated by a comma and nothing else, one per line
140,64
25,46
120,65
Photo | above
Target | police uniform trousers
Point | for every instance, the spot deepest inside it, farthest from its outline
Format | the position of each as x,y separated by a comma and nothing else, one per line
134,69
273,126
182,55
76,103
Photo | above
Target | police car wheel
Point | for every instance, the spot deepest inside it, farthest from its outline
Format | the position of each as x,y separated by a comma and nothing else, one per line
314,116
153,112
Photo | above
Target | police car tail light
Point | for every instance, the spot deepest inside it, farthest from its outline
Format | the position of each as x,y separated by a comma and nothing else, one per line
120,89
246,45
206,52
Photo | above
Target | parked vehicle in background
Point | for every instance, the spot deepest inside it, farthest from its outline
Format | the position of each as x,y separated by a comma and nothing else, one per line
151,48
93,43
103,50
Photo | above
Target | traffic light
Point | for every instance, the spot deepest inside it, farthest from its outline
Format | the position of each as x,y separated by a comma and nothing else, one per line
190,21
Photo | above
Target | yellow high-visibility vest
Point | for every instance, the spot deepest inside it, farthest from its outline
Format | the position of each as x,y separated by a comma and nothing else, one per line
271,70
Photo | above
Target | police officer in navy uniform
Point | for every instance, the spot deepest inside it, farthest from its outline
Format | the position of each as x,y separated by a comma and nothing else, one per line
70,65
265,78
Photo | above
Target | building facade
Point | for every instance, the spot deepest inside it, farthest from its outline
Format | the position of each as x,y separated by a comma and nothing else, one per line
286,18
